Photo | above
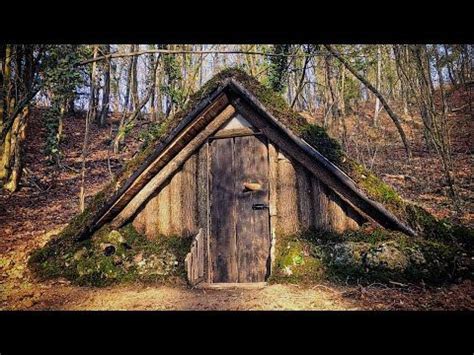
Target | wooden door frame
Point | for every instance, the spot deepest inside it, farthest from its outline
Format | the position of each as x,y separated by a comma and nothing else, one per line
271,200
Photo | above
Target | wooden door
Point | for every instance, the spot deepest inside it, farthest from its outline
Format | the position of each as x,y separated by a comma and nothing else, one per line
239,217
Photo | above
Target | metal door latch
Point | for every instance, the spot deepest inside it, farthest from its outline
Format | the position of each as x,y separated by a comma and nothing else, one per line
259,206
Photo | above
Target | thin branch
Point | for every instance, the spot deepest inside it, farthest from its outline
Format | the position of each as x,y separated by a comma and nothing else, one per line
170,51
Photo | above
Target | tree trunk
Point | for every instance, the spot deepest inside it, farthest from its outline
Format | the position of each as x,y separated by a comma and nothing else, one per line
396,120
106,91
134,80
94,87
379,72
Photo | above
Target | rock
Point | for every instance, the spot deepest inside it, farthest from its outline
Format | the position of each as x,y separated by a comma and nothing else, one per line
386,255
349,253
415,256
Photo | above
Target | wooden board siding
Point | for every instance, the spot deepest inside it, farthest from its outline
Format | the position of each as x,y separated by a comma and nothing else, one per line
189,201
171,167
304,202
173,209
298,200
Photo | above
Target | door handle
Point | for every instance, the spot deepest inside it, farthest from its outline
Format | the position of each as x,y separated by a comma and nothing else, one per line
252,186
259,206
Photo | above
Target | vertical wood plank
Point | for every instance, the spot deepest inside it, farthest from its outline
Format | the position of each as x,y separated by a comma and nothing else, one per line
305,203
203,204
164,210
222,227
189,207
287,196
337,217
176,216
252,226
200,249
320,204
273,186
151,221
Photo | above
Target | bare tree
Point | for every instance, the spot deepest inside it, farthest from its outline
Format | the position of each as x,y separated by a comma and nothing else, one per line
395,118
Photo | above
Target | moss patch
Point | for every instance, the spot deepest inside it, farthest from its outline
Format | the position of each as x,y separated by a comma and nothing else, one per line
112,256
297,260
369,255
317,137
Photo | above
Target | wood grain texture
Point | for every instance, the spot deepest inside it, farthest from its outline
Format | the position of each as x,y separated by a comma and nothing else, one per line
287,204
337,216
176,212
164,211
252,226
189,198
211,118
150,214
203,203
223,246
305,198
342,184
320,204
194,261
273,198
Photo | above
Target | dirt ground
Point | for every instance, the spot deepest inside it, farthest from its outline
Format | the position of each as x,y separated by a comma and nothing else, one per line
49,198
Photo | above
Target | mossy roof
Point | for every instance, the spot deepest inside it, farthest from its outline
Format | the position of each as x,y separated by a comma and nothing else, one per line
275,105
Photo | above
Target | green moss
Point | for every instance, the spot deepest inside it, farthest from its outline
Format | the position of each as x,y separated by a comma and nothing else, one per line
442,230
368,255
374,186
296,261
319,139
113,256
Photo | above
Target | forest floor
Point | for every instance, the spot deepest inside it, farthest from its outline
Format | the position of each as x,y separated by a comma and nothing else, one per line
49,197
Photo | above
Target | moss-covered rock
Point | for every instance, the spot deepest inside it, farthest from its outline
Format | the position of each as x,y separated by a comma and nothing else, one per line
112,256
297,260
369,255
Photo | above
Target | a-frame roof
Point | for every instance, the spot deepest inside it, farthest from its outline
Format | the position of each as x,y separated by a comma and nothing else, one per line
226,93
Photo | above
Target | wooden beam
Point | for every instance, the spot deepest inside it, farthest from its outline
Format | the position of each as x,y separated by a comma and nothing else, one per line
129,210
236,132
